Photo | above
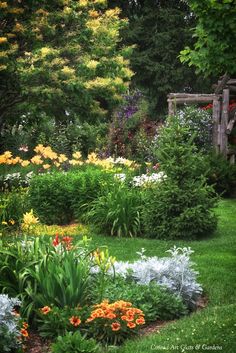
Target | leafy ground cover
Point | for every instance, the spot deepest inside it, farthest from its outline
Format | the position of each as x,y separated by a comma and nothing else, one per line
210,329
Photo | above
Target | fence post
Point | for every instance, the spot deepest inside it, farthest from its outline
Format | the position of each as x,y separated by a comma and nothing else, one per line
224,123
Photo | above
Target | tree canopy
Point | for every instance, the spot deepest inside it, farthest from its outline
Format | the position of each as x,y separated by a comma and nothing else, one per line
214,51
62,58
160,29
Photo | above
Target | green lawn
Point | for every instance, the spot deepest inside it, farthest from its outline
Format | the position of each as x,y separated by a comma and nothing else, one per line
213,328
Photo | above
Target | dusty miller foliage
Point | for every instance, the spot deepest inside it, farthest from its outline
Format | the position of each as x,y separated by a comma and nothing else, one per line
9,331
175,272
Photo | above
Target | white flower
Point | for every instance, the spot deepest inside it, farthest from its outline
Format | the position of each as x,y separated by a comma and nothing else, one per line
145,180
120,176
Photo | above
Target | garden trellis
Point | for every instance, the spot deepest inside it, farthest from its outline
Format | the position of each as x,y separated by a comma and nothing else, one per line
223,120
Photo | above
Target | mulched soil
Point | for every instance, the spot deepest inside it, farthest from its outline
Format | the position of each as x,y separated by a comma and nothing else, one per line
37,345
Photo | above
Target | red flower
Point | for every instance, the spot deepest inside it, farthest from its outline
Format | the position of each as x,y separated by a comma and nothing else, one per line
67,240
56,240
24,332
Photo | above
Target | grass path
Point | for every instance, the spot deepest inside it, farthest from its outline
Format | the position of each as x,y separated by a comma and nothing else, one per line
212,329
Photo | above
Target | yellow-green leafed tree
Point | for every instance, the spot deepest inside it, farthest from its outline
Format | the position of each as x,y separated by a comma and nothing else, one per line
61,58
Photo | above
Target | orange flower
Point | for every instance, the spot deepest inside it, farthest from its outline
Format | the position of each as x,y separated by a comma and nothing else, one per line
24,332
110,316
140,321
89,319
131,325
115,326
99,313
25,325
124,317
75,321
130,318
45,310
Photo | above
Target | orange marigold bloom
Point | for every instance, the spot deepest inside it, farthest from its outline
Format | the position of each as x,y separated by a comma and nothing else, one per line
25,325
140,321
75,321
24,332
45,310
115,326
131,325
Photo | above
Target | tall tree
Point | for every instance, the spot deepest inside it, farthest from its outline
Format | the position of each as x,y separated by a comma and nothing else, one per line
160,29
62,58
214,50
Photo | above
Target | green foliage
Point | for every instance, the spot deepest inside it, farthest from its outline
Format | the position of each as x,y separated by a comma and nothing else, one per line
116,211
74,343
12,207
16,260
61,279
48,196
40,274
61,197
86,187
155,301
213,52
181,207
221,174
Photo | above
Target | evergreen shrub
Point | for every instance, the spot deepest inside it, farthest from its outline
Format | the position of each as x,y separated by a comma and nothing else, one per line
181,207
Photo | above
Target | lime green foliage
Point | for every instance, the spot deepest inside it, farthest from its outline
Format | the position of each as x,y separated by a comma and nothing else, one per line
215,260
181,207
74,343
61,58
215,33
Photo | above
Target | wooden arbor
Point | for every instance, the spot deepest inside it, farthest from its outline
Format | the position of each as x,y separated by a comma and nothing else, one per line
222,123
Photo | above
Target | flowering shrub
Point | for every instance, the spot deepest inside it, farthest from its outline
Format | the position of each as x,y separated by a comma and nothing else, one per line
199,122
13,332
175,273
113,323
